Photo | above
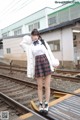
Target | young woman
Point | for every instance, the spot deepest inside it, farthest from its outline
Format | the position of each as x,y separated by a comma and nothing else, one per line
40,64
42,68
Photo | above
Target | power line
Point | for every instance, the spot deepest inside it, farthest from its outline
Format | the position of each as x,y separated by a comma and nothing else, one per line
23,5
6,7
18,8
30,1
11,5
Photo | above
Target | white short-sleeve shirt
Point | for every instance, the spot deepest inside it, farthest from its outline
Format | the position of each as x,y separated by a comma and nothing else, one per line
38,49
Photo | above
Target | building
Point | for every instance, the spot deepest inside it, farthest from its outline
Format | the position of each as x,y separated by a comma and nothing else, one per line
37,20
62,36
67,13
42,19
64,40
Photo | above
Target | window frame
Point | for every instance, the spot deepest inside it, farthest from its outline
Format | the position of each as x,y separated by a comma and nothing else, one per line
8,50
53,43
17,31
33,26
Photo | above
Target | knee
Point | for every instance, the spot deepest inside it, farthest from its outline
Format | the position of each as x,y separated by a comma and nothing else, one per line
47,87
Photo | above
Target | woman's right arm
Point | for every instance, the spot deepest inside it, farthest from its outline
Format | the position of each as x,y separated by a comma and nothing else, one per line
23,44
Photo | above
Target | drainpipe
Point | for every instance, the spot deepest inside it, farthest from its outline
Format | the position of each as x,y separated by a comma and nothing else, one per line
62,49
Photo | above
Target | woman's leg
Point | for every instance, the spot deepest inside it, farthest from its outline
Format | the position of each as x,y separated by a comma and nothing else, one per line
47,87
40,86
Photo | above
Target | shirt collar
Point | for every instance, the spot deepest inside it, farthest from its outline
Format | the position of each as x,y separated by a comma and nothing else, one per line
35,40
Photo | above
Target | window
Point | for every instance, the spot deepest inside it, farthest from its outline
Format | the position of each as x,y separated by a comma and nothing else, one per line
52,20
31,27
8,50
34,25
5,34
37,25
54,45
18,31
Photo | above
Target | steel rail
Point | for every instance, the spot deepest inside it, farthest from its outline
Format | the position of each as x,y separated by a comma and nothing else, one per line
35,85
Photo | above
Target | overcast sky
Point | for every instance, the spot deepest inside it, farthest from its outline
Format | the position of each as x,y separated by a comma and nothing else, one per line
14,10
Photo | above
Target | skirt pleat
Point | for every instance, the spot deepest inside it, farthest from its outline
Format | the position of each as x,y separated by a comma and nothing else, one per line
42,66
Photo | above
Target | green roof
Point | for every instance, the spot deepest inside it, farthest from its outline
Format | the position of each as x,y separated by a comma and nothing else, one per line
76,3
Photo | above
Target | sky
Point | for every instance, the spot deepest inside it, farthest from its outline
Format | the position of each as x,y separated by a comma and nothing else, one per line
14,10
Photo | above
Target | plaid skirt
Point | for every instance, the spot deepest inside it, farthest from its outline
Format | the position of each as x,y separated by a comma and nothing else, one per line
42,66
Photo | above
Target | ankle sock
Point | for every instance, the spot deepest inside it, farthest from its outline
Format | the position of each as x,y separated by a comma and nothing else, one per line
46,102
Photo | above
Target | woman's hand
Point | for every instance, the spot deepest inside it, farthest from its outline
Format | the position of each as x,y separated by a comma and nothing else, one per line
55,63
56,66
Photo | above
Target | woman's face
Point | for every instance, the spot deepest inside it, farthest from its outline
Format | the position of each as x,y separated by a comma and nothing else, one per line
34,37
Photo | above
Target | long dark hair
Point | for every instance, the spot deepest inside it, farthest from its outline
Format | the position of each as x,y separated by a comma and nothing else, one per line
36,32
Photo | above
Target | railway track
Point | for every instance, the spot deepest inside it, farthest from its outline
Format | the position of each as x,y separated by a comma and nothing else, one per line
67,71
70,75
11,112
19,90
69,78
23,92
13,68
59,71
13,84
14,109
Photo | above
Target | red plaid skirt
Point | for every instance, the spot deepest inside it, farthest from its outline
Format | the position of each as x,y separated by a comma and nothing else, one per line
42,66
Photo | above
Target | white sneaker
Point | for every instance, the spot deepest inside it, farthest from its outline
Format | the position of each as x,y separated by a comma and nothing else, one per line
46,107
41,107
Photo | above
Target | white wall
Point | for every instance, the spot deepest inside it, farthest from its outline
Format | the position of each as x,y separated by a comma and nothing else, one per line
16,51
43,23
23,29
67,43
66,52
1,52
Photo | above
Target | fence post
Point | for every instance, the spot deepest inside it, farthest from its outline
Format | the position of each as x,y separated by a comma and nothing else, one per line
11,66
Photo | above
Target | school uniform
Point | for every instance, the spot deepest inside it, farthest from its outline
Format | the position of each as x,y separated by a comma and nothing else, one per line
40,61
42,65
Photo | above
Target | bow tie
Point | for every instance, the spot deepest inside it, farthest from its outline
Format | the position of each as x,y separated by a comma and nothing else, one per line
36,42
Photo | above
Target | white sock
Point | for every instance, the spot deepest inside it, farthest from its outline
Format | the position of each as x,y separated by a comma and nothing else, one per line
46,102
